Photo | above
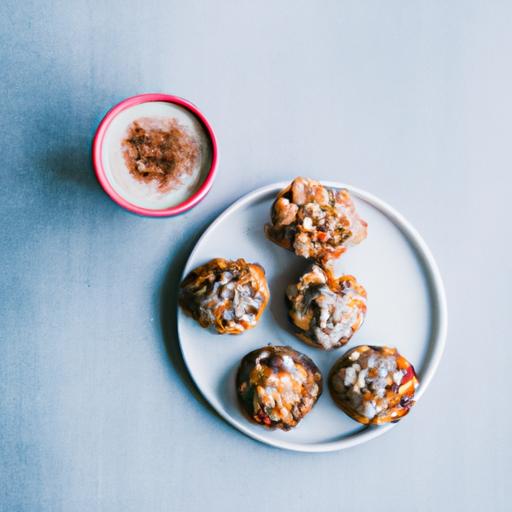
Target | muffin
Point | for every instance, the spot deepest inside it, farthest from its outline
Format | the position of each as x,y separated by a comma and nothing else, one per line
373,385
228,295
326,311
277,386
314,221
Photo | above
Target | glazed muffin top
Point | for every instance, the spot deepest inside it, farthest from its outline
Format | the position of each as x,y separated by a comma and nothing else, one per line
314,221
373,385
326,310
228,295
278,386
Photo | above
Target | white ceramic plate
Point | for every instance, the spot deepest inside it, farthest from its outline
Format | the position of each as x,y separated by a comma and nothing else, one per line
406,309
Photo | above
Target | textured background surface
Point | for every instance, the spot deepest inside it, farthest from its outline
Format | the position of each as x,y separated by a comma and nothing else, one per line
410,100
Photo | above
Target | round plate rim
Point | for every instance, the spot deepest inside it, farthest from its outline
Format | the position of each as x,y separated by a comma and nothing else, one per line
439,303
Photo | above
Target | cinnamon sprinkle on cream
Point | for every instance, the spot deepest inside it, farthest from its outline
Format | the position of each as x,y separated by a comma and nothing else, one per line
160,151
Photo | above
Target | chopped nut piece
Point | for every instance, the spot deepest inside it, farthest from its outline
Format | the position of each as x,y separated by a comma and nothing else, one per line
286,211
355,355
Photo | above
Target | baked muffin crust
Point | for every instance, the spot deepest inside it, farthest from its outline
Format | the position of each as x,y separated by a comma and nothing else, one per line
373,385
228,295
314,221
326,311
277,386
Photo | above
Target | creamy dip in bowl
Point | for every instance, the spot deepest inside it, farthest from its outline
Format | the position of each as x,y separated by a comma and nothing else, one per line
155,155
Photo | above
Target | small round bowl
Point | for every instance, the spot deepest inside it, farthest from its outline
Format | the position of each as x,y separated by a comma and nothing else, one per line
101,175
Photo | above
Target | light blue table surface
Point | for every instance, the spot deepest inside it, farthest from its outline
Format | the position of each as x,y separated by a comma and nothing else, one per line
409,100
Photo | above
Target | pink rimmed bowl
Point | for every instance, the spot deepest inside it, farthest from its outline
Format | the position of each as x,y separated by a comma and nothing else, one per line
101,175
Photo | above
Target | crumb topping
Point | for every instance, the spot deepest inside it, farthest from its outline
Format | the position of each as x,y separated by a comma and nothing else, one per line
315,222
